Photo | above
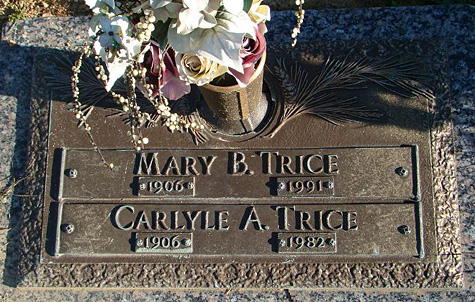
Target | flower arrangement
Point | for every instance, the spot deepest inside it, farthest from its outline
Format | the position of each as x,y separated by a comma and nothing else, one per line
161,47
189,41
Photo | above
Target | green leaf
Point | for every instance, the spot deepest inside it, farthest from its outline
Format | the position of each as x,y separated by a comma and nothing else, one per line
160,33
247,5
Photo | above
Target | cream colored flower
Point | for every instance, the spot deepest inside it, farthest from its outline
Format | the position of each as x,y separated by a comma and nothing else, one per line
197,14
164,9
233,6
259,13
197,69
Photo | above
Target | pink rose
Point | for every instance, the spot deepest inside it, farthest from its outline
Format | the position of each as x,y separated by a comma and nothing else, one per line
173,87
250,53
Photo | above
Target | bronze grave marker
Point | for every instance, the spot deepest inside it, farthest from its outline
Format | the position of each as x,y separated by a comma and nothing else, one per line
315,204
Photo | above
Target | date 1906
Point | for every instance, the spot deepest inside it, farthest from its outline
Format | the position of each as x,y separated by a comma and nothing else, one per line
163,243
166,186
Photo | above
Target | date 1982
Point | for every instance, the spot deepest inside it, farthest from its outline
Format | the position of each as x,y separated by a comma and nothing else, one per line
307,242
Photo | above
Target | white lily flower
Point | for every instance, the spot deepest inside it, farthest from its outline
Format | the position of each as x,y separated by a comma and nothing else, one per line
221,44
233,6
115,46
132,46
196,14
98,6
164,9
196,5
117,66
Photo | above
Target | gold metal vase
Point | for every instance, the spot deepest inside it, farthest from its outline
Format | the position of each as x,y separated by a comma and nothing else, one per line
233,110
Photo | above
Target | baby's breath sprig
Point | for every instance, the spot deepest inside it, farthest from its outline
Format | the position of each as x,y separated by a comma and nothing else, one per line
145,27
101,71
136,117
79,114
173,121
134,74
300,14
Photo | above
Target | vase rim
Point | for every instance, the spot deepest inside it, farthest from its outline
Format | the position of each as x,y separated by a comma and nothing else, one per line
258,70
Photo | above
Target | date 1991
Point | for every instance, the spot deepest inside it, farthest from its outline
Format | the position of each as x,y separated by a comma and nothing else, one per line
305,186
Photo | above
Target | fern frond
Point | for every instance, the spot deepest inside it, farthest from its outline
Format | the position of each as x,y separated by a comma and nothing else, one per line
317,96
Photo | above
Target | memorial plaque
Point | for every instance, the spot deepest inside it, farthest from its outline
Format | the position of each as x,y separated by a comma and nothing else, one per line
104,231
260,173
315,204
366,200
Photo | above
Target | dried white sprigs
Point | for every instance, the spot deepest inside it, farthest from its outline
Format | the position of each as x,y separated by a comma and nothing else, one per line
300,14
128,104
145,27
77,104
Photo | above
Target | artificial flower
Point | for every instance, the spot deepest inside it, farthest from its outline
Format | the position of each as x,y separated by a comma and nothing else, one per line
233,6
251,52
162,72
197,69
259,13
165,9
100,6
196,14
115,35
221,43
111,30
210,37
115,46
116,64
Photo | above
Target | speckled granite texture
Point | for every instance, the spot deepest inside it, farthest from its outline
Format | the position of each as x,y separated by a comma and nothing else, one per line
454,24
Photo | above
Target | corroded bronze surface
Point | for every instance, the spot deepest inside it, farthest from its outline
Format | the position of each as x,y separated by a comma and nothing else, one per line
178,221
